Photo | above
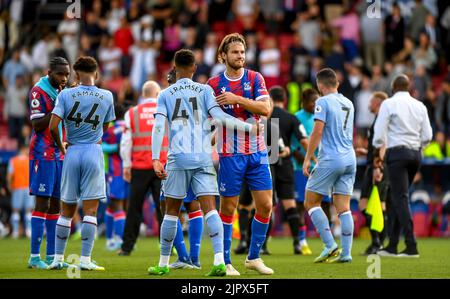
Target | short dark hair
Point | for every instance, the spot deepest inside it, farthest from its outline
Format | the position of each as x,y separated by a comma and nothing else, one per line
310,95
327,77
57,60
401,83
184,58
86,64
277,93
172,76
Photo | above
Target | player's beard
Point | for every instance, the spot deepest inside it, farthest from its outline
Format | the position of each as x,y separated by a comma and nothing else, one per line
236,65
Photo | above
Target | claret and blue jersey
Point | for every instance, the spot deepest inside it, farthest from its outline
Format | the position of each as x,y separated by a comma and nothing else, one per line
250,85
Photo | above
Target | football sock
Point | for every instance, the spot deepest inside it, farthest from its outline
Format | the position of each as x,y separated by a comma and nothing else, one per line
243,223
109,224
88,232
37,231
179,244
62,234
195,234
227,234
294,222
260,226
15,222
119,223
50,228
215,232
168,233
322,225
346,220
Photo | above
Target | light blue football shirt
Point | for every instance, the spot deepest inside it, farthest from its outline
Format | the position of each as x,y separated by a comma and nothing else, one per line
84,109
336,145
187,105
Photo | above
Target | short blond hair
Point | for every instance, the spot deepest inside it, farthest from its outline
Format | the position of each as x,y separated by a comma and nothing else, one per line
380,95
226,41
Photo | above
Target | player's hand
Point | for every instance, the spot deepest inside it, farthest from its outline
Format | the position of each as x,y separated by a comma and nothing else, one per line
377,175
286,152
63,150
361,151
159,169
227,98
127,174
298,156
306,167
314,159
378,162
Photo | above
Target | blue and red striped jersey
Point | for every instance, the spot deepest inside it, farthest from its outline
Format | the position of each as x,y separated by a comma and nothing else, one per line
42,145
250,85
113,136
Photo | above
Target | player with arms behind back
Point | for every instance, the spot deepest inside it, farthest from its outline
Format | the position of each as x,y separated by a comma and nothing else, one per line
336,167
87,111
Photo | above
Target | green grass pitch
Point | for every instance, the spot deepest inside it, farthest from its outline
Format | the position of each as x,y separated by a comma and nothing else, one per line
434,261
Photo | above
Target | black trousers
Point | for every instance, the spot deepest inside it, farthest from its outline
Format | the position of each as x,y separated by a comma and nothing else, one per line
403,164
142,181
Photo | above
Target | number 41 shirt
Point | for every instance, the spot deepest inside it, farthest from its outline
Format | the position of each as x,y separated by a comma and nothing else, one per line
84,109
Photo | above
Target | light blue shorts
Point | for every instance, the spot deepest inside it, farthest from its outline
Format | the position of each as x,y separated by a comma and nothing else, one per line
300,185
328,181
83,173
203,181
21,199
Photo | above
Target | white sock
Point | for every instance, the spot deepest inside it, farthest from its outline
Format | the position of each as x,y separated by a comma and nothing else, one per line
303,242
58,258
218,259
164,260
35,255
85,259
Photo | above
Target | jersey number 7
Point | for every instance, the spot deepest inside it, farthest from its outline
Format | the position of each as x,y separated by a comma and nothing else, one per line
78,120
347,111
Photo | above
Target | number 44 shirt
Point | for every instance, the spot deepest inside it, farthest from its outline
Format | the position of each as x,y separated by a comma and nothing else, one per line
84,109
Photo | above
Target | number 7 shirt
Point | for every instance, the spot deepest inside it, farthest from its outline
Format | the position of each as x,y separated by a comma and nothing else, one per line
84,109
336,145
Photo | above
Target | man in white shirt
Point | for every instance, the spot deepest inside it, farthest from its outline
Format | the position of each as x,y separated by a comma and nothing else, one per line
404,128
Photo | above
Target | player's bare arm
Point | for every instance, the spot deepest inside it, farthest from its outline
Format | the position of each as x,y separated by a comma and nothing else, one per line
40,124
261,107
314,141
54,123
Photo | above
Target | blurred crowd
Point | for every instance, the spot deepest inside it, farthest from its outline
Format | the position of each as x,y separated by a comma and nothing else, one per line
287,41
